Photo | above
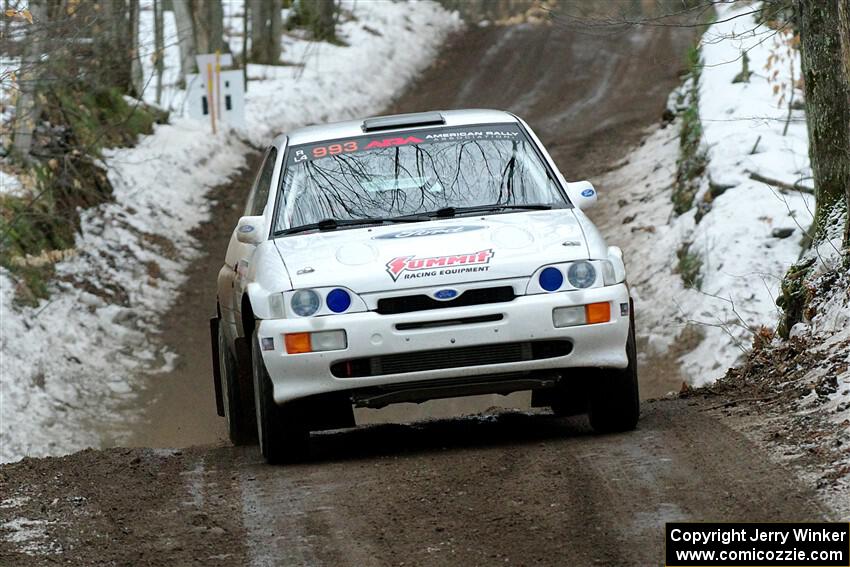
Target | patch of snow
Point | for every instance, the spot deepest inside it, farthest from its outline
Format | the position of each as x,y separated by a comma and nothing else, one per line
69,368
743,260
29,536
9,184
14,502
831,326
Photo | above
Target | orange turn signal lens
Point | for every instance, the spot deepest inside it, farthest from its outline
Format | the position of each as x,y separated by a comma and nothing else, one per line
297,343
597,312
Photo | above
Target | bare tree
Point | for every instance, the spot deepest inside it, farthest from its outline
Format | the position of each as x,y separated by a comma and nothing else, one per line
208,25
245,11
159,47
137,78
324,27
319,17
26,108
844,33
266,29
827,107
185,36
113,45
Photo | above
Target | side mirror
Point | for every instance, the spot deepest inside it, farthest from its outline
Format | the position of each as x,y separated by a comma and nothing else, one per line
250,230
583,194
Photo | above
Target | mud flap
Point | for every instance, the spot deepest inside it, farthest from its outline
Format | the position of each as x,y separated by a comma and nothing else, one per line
219,402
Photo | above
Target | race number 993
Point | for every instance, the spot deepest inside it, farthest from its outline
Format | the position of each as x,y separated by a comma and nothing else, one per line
334,149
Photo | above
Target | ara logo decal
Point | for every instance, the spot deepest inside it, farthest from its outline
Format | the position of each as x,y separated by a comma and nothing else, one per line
415,232
413,267
587,193
390,142
445,294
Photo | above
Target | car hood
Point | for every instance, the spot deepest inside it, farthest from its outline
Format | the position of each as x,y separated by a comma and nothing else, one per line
450,251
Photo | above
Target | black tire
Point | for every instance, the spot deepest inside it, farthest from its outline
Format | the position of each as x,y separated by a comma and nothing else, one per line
284,437
614,398
570,397
238,404
565,406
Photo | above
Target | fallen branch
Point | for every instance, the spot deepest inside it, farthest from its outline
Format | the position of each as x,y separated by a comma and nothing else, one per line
784,187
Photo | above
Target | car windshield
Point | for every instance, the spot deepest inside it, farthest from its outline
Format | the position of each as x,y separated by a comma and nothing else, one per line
416,173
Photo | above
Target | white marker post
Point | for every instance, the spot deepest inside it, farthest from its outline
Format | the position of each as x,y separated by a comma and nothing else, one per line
216,94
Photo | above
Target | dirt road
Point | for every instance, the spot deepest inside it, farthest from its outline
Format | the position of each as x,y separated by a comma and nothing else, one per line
505,487
509,489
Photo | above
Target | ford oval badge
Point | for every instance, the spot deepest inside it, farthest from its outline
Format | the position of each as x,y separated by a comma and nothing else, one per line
587,193
445,294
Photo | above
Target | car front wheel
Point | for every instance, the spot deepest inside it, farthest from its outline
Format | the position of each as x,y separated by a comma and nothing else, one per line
284,437
614,399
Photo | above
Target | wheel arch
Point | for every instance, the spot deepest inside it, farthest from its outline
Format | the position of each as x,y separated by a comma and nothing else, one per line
248,319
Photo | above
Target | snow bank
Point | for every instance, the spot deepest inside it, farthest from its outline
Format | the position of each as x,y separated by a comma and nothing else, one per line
831,327
743,123
743,259
69,369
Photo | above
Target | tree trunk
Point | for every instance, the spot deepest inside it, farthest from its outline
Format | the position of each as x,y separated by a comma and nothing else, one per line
7,21
266,29
208,25
318,17
324,27
26,108
113,46
185,37
844,33
136,75
245,10
159,47
827,109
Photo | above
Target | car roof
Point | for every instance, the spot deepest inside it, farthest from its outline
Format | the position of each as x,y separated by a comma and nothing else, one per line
351,128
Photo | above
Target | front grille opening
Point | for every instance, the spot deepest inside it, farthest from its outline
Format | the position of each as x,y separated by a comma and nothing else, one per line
411,303
449,322
458,357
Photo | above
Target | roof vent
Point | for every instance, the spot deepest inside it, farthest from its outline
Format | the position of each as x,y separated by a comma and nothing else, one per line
402,120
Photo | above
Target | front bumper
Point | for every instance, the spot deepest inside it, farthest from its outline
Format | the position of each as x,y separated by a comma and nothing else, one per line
526,318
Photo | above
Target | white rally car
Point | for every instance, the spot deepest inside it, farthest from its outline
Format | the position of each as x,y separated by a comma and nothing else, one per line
413,257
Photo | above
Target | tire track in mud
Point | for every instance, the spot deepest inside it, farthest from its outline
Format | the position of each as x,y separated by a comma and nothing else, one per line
524,489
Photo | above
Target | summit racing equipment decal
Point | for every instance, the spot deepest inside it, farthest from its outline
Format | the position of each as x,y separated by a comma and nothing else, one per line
435,231
408,267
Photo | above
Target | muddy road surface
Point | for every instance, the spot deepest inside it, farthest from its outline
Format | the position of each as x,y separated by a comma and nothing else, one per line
509,489
502,487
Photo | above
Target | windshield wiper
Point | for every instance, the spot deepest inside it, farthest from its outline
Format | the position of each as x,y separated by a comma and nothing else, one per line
454,211
333,224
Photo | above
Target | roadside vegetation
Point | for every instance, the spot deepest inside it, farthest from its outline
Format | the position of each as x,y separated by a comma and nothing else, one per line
76,91
690,166
689,266
65,175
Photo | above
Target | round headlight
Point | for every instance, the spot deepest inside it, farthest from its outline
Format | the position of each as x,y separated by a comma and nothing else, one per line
338,300
551,279
305,302
581,274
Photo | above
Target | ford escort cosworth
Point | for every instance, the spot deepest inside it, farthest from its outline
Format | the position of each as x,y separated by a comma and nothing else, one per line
413,257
